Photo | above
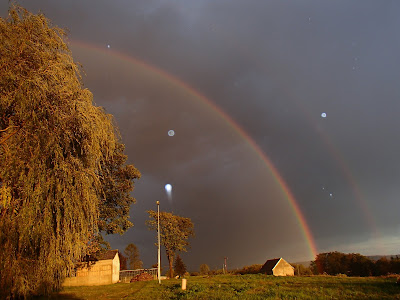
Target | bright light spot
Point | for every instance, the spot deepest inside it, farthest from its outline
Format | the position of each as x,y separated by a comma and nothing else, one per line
323,115
108,46
330,195
171,133
168,188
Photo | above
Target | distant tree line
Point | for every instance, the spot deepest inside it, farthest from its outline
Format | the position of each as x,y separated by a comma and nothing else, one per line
253,269
354,264
337,263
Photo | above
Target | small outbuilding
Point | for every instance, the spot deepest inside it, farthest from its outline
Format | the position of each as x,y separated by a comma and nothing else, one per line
277,267
104,270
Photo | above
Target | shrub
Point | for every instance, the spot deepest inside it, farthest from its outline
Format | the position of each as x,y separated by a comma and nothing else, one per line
204,269
253,269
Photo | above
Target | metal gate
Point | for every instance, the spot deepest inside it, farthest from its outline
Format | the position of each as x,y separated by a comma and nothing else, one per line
127,275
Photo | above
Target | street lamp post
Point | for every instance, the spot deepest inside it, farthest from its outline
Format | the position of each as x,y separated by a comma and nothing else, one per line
159,245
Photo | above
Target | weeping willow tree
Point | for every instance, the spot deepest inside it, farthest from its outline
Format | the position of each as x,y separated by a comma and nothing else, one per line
63,177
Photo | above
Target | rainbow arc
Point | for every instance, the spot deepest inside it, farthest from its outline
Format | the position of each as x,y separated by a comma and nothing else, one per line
306,232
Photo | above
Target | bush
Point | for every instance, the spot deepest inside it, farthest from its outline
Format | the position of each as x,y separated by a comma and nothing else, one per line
216,272
301,270
204,269
253,269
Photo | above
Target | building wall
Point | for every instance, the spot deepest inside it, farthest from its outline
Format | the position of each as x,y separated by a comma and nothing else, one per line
115,269
283,268
100,273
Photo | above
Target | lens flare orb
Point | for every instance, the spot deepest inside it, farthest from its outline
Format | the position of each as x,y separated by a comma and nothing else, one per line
168,188
168,191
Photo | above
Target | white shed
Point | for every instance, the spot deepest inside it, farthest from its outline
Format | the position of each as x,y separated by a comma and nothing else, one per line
277,267
104,270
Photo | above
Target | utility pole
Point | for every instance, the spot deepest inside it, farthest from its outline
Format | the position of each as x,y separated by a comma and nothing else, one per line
159,245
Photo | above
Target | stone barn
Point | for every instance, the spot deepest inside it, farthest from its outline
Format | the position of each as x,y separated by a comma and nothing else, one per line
277,267
104,270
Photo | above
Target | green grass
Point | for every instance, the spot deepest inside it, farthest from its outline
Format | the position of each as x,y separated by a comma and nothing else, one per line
244,287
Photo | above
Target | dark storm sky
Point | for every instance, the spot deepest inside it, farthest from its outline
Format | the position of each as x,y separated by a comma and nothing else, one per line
274,67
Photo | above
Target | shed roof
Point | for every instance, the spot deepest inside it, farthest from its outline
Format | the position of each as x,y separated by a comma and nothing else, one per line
109,254
269,264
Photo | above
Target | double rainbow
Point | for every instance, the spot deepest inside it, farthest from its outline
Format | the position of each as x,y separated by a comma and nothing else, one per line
306,232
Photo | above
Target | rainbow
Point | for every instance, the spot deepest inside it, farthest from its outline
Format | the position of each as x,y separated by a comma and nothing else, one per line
306,232
358,195
335,153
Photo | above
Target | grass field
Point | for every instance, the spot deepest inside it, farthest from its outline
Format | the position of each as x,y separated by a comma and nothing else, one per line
244,287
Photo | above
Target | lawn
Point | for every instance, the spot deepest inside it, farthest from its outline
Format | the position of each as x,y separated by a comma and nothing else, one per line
244,287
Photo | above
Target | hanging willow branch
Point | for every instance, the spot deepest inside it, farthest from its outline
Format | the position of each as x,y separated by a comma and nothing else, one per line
56,145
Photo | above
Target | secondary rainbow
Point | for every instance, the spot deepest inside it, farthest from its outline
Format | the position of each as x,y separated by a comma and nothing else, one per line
358,196
177,82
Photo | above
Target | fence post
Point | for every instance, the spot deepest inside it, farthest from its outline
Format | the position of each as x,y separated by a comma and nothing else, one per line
183,284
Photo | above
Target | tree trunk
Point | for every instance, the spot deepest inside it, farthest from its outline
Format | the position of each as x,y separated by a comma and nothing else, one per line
171,270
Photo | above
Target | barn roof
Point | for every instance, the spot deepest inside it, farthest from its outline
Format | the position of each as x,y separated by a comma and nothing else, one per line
269,264
109,254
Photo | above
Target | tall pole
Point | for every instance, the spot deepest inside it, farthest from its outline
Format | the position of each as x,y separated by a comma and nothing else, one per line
159,245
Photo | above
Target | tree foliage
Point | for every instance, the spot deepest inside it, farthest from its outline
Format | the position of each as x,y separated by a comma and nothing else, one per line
204,269
61,161
117,182
252,269
174,231
354,264
301,270
179,266
132,253
122,261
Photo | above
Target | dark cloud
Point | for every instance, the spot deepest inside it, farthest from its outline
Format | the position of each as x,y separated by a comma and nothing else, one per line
274,67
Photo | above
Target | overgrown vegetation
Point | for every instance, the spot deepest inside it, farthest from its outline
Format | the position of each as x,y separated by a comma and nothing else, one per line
63,178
